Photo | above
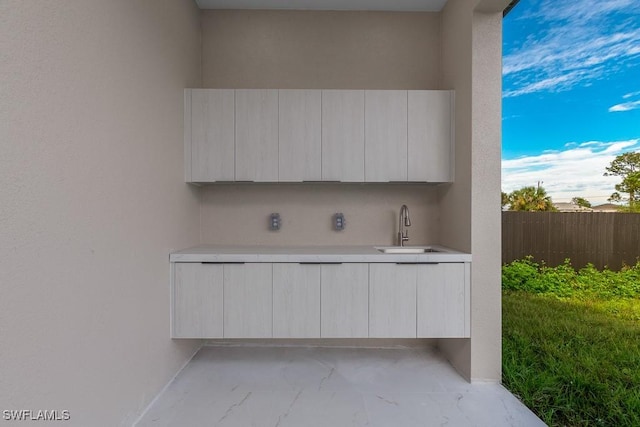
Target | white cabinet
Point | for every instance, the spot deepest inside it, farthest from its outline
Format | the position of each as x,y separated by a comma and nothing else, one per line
296,300
197,300
343,135
430,135
299,149
291,135
385,135
392,300
248,303
292,300
443,301
209,155
256,155
344,300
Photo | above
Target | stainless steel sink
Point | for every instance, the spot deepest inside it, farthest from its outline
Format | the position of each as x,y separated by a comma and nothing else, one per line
406,249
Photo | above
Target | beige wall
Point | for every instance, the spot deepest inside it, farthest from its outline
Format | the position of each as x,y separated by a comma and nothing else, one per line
92,201
321,50
310,49
456,200
238,214
486,301
472,51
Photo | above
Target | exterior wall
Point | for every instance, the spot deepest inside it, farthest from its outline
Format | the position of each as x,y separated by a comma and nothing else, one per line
238,214
472,55
307,50
455,206
92,201
486,302
320,49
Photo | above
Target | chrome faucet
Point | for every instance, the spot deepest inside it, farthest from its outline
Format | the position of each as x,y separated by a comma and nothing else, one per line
403,233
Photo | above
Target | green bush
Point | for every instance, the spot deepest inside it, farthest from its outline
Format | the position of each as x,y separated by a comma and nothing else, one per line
517,275
564,281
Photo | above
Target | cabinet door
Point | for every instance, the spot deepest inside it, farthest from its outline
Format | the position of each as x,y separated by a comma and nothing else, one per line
257,135
443,301
296,300
248,304
343,135
344,301
197,300
212,135
385,135
392,300
299,150
430,135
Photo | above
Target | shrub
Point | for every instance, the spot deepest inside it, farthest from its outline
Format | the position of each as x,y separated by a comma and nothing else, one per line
564,281
517,274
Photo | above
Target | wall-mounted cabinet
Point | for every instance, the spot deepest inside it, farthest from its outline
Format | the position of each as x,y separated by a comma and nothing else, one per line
299,141
344,300
294,300
385,135
256,124
430,135
212,149
343,135
271,135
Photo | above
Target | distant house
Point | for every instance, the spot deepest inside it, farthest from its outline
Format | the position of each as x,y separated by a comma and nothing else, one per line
607,207
571,207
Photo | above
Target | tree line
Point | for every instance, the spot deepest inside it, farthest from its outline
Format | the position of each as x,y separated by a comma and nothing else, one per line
626,166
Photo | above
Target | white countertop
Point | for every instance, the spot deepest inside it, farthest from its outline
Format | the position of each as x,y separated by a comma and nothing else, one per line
311,254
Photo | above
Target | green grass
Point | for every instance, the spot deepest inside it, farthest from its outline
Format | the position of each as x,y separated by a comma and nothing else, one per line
571,343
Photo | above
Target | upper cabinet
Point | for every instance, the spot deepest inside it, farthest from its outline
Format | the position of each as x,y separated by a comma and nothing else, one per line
212,134
257,135
385,135
287,135
430,135
343,135
299,142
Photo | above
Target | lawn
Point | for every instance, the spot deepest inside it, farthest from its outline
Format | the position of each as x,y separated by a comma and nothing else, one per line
571,343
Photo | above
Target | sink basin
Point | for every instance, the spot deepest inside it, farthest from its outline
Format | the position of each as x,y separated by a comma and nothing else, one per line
406,249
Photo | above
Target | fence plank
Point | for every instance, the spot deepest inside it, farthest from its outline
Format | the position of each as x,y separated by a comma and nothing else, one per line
600,238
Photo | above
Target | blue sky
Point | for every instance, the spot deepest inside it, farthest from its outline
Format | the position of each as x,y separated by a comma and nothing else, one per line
571,94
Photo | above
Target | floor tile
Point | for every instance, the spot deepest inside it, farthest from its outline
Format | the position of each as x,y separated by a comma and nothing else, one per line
338,387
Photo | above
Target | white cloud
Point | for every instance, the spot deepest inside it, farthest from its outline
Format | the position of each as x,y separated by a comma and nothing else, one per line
625,106
576,171
578,42
630,95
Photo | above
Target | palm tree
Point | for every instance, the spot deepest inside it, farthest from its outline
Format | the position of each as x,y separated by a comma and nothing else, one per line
530,199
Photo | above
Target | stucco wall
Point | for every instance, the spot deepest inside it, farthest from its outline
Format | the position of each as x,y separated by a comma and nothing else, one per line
238,214
92,202
320,49
470,211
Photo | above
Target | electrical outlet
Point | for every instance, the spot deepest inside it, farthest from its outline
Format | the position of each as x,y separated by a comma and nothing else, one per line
274,222
338,221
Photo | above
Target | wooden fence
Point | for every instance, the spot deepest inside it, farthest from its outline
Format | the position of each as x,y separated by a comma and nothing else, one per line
600,238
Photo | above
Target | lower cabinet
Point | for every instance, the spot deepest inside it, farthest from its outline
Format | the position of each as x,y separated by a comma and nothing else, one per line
296,301
344,301
443,301
392,300
248,300
197,300
292,300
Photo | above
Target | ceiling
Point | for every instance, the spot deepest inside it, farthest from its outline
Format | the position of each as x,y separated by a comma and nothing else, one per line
390,5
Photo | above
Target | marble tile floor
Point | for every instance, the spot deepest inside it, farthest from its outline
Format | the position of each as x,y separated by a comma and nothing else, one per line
330,387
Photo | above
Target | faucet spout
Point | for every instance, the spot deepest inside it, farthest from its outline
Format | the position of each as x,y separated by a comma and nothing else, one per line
404,221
